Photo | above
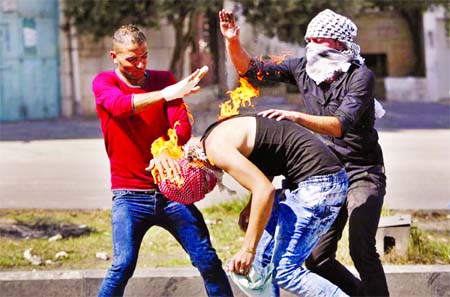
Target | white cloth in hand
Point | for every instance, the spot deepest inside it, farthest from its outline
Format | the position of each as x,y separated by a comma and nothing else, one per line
255,283
379,110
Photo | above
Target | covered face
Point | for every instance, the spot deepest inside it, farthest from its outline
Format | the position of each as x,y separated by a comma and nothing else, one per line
329,30
199,178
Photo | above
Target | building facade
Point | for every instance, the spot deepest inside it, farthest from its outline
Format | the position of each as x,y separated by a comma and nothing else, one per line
46,72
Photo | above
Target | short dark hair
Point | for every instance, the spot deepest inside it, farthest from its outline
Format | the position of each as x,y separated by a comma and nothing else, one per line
129,33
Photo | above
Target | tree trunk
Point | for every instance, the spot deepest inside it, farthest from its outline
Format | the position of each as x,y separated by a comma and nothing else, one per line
217,46
177,60
182,41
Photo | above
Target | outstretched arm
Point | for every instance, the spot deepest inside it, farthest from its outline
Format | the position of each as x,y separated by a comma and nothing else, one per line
230,31
326,125
178,90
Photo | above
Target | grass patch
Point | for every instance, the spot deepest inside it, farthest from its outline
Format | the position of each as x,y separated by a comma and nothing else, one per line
429,247
159,248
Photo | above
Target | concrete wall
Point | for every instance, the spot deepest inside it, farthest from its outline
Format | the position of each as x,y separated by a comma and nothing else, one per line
437,54
377,34
93,57
435,86
387,33
407,89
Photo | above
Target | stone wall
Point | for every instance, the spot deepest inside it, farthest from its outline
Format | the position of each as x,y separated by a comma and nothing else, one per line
93,57
437,54
406,89
387,33
378,34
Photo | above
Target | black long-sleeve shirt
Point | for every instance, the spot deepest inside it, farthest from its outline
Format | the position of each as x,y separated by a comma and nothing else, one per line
349,98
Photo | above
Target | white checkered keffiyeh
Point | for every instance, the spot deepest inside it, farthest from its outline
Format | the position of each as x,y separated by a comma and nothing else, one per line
328,24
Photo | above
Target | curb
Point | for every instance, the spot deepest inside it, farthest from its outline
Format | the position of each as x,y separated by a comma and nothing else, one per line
403,280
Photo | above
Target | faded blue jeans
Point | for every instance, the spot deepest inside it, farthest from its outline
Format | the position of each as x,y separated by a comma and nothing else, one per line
133,213
362,209
299,218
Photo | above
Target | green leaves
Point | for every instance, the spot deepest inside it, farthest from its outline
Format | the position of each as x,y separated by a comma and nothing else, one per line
289,18
99,18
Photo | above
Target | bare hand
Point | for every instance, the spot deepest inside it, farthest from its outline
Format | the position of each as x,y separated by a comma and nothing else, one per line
241,262
279,114
228,25
168,168
186,86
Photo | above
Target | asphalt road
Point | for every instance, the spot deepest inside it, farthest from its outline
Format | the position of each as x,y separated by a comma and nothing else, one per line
63,164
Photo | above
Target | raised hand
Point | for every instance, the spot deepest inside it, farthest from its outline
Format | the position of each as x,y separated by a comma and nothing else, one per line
228,25
186,86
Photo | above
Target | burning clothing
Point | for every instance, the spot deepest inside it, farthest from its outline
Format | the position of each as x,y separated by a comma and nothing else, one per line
349,98
129,136
314,191
137,204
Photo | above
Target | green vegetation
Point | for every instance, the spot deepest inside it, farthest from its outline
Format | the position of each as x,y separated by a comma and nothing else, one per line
159,248
429,247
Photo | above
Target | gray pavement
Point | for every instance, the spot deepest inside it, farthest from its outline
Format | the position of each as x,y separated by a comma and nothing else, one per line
403,281
63,164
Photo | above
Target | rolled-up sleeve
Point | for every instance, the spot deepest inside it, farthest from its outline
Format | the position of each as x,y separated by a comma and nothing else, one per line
268,69
357,100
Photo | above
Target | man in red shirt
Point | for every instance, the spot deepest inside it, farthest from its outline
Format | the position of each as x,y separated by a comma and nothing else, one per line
135,107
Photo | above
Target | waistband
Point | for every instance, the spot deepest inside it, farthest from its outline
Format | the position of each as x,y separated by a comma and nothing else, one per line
330,178
137,192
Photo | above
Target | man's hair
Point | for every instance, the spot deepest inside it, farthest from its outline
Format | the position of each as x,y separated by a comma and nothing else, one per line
129,33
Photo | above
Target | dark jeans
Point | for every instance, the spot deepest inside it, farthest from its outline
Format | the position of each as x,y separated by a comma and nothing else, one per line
363,208
134,213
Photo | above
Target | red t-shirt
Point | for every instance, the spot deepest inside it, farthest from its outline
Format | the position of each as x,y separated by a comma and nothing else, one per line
129,135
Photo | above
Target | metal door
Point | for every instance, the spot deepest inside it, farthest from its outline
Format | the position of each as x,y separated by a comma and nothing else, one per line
29,67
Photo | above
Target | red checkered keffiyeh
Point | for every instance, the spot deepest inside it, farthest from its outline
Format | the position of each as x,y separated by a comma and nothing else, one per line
199,178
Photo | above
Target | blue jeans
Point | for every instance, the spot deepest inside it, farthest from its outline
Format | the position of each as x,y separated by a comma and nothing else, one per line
133,213
299,218
362,209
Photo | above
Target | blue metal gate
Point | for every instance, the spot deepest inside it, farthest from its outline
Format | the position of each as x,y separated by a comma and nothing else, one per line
29,61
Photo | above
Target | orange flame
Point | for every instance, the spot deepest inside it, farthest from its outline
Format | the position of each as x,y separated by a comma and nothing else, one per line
278,59
241,96
189,114
272,59
170,147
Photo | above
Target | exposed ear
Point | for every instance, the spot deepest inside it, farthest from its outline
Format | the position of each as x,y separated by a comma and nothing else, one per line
113,56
